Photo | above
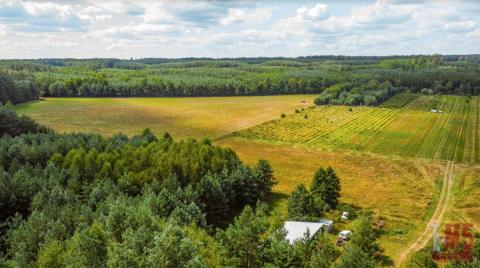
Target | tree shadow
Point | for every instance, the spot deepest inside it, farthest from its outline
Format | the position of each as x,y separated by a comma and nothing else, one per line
385,261
277,198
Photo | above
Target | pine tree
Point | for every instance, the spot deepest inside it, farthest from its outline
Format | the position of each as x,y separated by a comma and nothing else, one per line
326,185
364,236
265,178
243,239
300,204
354,256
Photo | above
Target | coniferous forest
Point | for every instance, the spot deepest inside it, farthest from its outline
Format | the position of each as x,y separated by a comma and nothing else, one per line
338,79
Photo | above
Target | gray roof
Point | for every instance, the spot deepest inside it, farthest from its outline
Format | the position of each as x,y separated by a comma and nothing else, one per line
297,229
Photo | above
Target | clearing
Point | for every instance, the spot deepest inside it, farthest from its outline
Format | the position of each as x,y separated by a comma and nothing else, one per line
182,117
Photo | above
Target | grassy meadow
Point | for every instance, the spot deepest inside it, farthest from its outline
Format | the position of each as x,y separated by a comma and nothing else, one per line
403,126
182,117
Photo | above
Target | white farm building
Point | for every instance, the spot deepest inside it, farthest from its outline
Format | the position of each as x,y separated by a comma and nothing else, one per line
297,229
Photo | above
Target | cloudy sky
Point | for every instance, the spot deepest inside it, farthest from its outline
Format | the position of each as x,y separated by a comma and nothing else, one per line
124,29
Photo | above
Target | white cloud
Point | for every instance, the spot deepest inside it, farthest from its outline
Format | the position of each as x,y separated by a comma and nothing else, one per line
460,26
318,12
156,14
475,33
93,14
48,9
140,31
164,28
28,16
236,15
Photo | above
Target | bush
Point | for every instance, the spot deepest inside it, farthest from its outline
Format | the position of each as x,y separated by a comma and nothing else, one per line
13,125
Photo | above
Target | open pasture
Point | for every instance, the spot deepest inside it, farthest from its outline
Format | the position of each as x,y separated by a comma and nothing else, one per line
182,117
404,126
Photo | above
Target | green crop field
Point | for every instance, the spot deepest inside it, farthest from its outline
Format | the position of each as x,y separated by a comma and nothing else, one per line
404,126
181,117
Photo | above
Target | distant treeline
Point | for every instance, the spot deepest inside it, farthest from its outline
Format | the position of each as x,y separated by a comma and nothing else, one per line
358,80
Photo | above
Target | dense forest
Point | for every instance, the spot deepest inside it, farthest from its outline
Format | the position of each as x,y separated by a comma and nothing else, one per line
338,79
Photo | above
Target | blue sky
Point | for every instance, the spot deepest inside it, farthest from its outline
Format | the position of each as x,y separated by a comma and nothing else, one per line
125,29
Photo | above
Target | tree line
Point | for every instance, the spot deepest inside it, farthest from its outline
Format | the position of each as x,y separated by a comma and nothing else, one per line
338,79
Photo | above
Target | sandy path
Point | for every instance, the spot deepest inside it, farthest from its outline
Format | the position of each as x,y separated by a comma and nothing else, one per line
436,219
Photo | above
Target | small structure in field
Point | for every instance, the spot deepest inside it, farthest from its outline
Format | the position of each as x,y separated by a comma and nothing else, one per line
434,111
345,215
297,229
381,224
345,234
327,225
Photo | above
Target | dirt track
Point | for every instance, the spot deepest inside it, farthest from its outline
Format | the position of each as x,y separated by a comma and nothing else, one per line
436,219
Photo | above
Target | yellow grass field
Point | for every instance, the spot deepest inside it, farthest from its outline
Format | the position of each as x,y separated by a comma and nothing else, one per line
182,117
402,191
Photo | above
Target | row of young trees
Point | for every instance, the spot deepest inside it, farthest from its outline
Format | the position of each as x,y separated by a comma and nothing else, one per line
370,93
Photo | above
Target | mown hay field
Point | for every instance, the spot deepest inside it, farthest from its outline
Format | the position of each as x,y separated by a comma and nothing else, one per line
181,117
404,126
